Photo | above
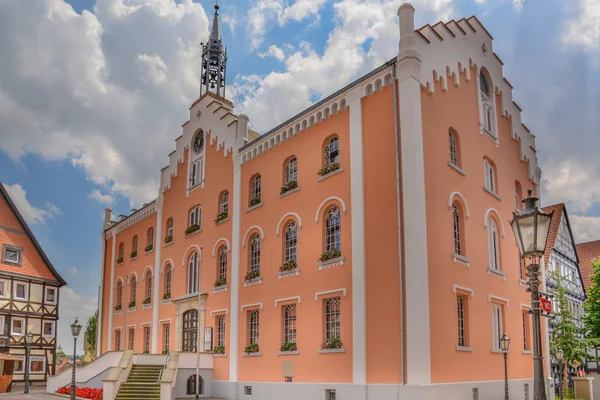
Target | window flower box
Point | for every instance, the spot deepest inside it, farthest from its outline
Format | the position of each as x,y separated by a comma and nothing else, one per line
169,239
330,255
219,350
333,343
120,260
167,296
220,282
134,254
118,307
288,186
254,201
147,300
329,169
148,248
288,266
192,228
131,304
289,346
250,275
221,217
251,348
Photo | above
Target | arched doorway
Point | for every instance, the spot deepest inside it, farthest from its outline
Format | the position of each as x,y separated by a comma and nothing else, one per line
191,385
190,330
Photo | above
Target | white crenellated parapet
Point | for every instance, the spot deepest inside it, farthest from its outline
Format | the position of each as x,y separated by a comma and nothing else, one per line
126,222
449,51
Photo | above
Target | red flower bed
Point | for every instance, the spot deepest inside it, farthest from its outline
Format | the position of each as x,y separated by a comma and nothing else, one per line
84,393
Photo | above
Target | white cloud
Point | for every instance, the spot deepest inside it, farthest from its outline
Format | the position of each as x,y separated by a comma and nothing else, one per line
101,198
518,4
32,214
71,306
105,85
585,229
74,270
273,51
572,182
584,28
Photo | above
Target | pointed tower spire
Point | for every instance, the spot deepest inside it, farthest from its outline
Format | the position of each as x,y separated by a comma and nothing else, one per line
214,60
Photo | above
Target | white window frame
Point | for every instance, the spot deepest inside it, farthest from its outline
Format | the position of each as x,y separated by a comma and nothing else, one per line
222,272
493,246
253,326
490,176
193,274
118,339
131,337
23,324
170,225
487,114
453,149
147,339
224,202
167,337
53,323
196,171
333,315
497,325
19,251
6,283
194,217
55,295
221,330
22,371
37,358
15,285
2,325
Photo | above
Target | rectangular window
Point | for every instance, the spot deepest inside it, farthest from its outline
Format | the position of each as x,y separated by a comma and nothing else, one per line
18,326
4,289
526,330
330,394
118,339
12,254
48,328
3,326
167,337
497,325
131,338
332,318
462,319
289,323
37,365
196,173
51,295
221,330
20,291
18,366
147,339
253,326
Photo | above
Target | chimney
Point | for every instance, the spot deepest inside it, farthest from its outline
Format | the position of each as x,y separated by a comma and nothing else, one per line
133,210
107,217
242,130
408,48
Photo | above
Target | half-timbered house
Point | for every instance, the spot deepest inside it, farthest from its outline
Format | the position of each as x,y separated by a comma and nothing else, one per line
29,295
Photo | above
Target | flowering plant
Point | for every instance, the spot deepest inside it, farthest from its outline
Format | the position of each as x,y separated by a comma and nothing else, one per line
147,300
333,343
330,255
149,247
289,346
289,186
251,348
288,266
252,274
330,168
134,254
219,350
167,296
254,201
84,393
118,307
169,239
119,260
221,217
220,282
132,304
192,228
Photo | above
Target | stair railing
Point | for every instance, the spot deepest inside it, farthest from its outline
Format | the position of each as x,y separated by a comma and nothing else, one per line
163,368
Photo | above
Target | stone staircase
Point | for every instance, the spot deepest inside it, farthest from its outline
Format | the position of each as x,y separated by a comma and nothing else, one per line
141,383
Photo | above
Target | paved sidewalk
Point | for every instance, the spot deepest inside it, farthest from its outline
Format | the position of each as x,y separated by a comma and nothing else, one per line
30,396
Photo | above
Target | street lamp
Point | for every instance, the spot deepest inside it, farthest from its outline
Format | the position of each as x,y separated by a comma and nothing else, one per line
75,329
559,356
28,341
531,227
504,345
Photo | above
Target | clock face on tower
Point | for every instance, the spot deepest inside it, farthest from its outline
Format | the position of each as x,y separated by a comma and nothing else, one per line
199,142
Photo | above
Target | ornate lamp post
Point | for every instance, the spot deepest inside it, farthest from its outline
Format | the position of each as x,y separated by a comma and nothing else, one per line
504,345
559,356
531,229
75,329
28,341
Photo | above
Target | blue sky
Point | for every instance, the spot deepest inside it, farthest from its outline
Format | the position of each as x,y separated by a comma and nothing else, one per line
93,93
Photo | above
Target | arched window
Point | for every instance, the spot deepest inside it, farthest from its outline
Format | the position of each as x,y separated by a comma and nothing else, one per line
490,175
454,147
222,272
518,195
193,273
493,245
190,330
457,224
150,239
224,203
333,231
148,285
168,277
134,247
121,253
255,189
133,291
255,253
291,170
191,385
487,104
291,242
169,235
120,294
194,220
332,153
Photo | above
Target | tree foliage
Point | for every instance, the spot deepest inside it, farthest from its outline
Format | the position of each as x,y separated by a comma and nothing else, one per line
592,304
90,330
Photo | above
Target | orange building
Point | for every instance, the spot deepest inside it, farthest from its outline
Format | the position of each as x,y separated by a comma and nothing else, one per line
359,250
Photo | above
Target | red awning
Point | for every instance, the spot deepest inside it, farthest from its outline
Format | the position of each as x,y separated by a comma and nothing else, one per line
8,357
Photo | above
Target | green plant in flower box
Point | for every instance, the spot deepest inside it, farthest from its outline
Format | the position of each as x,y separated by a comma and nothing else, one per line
221,217
192,228
147,300
169,239
289,346
118,307
289,265
132,304
252,274
119,260
289,186
167,296
134,254
332,343
149,247
220,282
251,348
330,255
219,350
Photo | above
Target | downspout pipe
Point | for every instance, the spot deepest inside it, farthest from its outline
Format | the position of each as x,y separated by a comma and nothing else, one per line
399,221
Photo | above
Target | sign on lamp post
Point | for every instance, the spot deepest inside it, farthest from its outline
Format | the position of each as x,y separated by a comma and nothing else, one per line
546,305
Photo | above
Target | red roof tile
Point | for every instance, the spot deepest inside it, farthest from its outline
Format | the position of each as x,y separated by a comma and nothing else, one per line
587,252
554,225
